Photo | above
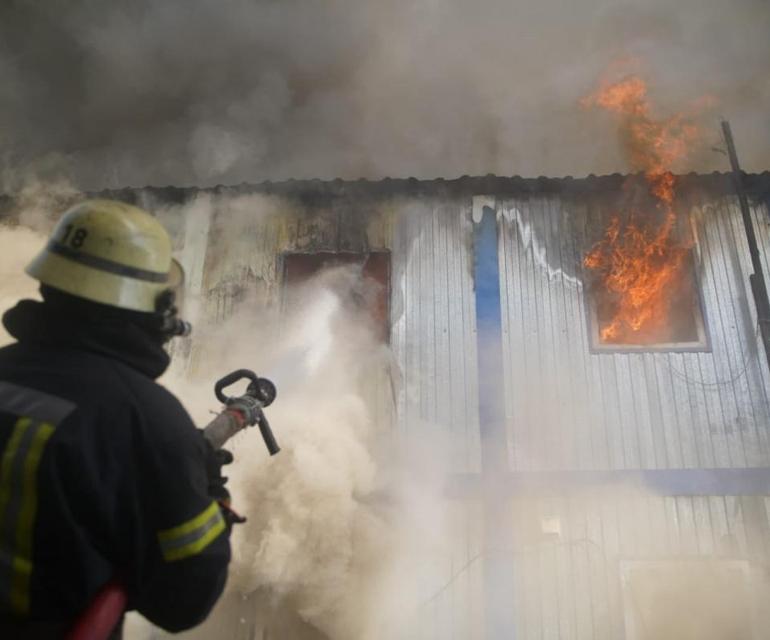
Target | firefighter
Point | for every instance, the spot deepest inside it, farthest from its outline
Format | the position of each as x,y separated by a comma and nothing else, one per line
103,475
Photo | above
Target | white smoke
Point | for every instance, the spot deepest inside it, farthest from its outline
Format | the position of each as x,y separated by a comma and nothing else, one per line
18,245
333,519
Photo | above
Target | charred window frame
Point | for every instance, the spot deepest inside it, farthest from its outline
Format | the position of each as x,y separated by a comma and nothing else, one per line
689,333
299,267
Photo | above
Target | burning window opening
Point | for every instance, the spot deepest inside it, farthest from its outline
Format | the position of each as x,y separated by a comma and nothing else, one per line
642,278
373,292
642,288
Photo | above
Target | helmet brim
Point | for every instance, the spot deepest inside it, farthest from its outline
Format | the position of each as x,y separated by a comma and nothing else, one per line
175,275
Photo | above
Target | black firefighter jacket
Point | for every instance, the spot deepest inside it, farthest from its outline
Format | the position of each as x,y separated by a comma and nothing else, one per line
102,475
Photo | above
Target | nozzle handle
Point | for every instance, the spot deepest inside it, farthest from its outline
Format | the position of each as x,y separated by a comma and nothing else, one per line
267,434
232,378
261,389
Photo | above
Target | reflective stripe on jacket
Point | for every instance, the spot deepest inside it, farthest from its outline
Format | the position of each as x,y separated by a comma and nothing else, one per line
102,473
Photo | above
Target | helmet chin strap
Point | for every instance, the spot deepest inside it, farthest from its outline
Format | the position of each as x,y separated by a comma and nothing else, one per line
171,325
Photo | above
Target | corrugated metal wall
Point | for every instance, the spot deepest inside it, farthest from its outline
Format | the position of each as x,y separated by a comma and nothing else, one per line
434,347
434,328
568,408
232,251
569,585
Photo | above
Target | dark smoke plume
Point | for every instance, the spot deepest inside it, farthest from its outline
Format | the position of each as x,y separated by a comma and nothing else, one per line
222,91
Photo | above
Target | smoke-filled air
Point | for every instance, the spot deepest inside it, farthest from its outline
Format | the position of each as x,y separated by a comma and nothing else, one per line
439,426
201,92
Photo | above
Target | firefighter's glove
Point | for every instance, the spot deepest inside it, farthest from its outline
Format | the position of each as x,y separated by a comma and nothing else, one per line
215,460
230,516
248,407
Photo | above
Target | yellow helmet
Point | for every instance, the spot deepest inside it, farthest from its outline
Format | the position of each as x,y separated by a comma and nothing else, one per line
109,252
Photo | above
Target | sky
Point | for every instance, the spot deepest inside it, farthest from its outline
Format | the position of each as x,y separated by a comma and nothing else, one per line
203,92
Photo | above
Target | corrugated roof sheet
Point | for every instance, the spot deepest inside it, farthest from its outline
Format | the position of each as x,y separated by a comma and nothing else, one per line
716,182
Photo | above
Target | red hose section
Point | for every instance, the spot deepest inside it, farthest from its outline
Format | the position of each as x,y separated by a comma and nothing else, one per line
98,621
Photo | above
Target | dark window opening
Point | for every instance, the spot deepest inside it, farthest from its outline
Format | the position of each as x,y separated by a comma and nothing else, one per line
373,295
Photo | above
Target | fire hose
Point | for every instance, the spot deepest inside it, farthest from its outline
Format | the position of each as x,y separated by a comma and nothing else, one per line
106,609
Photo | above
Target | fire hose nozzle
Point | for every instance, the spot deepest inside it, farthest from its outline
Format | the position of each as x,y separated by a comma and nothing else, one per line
262,390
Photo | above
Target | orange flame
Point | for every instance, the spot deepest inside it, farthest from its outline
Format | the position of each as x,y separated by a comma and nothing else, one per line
639,269
639,265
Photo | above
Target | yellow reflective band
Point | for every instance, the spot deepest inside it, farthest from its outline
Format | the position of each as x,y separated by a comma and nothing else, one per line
192,537
19,507
22,424
23,561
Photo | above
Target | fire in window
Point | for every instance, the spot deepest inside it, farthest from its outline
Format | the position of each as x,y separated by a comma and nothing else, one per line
370,292
642,289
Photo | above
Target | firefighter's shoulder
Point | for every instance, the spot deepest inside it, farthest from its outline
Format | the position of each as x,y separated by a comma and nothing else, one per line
156,407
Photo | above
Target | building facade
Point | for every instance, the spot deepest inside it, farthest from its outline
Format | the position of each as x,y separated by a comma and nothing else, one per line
599,491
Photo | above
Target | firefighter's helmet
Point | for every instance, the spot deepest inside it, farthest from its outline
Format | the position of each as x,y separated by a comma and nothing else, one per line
109,252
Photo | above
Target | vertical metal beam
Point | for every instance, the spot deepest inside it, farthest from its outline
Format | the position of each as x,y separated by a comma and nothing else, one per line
756,279
498,559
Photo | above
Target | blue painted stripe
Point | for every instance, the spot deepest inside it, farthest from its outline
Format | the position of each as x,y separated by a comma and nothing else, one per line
489,338
663,482
498,562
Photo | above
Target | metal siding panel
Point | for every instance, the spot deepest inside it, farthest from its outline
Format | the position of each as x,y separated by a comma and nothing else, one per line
399,313
579,549
565,574
672,525
761,378
539,429
658,539
412,371
629,431
436,335
512,339
533,587
723,366
703,528
696,408
443,358
672,412
463,231
596,552
687,527
606,444
525,438
550,588
425,337
664,410
555,390
518,298
650,416
719,525
552,422
611,536
756,377
434,340
576,451
737,527
591,452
